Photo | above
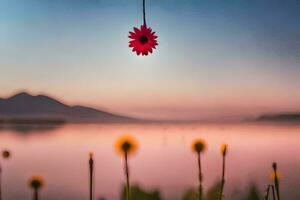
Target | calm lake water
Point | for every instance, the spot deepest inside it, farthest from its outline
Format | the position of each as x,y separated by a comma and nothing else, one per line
164,159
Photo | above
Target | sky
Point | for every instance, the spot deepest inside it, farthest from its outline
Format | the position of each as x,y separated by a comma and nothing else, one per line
215,59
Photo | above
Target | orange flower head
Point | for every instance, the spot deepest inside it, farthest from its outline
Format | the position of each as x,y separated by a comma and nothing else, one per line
198,145
36,182
126,144
273,176
224,149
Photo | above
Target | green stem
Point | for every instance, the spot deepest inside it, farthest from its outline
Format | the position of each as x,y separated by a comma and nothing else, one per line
127,177
200,177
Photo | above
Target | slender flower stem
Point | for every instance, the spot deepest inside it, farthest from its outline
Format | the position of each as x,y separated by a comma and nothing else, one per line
35,194
273,192
267,193
223,179
276,181
91,165
127,177
200,177
277,186
144,12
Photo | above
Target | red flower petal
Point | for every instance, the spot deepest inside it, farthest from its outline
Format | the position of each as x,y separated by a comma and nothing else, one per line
143,40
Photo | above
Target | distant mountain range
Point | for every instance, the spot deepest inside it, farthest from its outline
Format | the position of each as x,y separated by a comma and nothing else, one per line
27,108
282,117
24,108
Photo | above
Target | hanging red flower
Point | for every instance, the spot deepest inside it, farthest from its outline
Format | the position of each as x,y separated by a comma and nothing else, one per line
143,40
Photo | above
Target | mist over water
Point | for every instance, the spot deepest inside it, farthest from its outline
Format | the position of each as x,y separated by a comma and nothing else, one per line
164,159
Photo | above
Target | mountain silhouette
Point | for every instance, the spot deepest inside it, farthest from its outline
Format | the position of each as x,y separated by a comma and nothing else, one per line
281,117
24,106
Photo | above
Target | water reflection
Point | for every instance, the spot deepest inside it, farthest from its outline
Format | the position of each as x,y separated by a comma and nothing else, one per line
164,160
27,129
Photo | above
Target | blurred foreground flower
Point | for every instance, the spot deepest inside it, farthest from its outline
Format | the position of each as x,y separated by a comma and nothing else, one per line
273,176
126,145
36,182
223,153
274,188
199,146
224,149
6,155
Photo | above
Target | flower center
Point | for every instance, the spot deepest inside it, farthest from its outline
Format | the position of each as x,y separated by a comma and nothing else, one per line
126,146
143,39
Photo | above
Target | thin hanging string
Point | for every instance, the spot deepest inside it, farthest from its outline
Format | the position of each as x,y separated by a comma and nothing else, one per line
144,13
